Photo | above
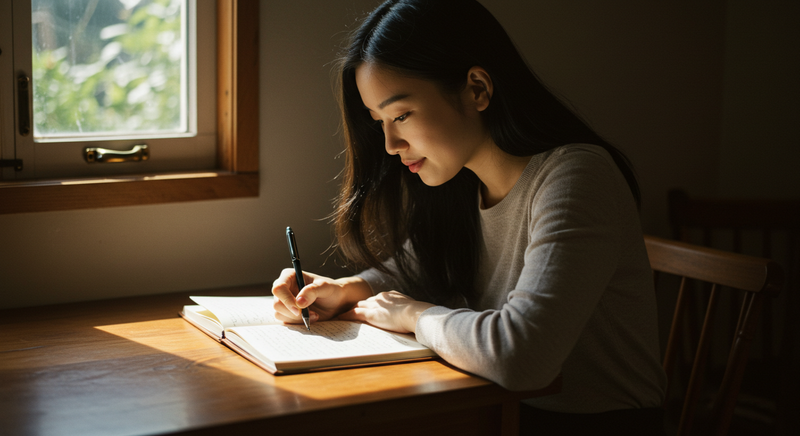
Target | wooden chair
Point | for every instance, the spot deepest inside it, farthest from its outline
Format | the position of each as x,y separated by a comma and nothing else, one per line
768,228
753,277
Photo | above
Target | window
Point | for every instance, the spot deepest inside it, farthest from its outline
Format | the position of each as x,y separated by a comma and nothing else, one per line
116,68
216,165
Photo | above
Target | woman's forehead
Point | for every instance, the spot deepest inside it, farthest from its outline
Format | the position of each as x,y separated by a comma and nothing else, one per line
380,86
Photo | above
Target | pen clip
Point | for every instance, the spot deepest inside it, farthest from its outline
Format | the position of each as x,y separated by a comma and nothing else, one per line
292,244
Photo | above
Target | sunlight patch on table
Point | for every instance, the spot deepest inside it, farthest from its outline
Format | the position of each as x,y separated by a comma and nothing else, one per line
177,337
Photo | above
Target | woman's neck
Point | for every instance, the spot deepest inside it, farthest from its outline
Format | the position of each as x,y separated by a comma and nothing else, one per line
499,172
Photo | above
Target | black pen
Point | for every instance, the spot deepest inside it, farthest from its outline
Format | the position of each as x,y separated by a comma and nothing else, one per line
298,271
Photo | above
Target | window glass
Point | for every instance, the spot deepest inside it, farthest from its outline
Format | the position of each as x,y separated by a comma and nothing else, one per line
109,67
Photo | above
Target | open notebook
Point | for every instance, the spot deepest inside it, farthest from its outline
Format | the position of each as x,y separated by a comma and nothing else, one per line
248,326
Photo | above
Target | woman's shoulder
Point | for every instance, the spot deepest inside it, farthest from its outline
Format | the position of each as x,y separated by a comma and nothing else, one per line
569,160
572,169
553,174
579,152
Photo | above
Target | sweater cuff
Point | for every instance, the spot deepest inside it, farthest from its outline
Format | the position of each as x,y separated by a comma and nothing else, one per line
377,281
429,326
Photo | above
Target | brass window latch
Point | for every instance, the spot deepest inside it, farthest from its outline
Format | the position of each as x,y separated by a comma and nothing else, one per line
137,153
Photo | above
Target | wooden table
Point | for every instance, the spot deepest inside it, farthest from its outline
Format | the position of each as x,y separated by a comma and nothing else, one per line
131,366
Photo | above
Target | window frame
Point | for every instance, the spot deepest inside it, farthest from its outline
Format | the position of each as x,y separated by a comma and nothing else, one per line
237,173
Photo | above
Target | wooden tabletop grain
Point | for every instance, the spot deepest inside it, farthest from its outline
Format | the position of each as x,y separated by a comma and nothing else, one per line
131,366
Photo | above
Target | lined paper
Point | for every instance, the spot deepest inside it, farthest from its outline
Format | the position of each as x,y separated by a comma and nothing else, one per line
327,340
239,311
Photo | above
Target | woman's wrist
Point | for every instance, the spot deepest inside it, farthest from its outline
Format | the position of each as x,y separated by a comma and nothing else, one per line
353,290
412,313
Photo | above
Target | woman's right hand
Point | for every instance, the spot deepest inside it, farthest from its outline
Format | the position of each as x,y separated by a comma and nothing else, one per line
325,297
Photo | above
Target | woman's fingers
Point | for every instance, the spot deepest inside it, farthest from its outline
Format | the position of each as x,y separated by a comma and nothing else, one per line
320,294
312,317
388,310
314,291
284,290
354,314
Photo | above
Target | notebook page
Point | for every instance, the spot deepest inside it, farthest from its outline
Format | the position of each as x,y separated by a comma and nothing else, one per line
239,311
327,340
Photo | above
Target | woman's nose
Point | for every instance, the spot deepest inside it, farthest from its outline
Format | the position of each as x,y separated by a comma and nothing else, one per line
394,144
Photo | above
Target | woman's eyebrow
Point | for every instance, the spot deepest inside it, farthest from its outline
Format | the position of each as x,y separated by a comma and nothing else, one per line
389,101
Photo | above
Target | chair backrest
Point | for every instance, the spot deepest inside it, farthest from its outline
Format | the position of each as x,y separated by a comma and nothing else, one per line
754,277
768,228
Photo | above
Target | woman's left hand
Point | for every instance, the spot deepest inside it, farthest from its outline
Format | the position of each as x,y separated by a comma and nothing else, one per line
388,310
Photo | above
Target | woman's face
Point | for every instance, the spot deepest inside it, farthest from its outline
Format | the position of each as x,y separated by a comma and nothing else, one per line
430,134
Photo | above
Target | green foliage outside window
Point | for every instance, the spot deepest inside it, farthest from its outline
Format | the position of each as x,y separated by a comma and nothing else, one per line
108,66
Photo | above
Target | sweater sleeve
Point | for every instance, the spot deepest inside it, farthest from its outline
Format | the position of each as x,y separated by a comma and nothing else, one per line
380,281
571,255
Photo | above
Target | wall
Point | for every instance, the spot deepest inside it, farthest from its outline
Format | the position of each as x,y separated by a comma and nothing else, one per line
648,76
760,147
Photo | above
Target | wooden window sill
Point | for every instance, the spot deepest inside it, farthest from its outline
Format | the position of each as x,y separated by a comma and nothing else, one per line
56,195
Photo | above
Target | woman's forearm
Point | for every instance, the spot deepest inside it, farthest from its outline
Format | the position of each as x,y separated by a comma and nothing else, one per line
354,289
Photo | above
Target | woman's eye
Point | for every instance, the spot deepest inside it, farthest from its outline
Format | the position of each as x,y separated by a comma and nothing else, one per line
401,117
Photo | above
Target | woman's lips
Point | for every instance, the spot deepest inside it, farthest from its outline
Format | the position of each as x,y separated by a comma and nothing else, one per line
415,165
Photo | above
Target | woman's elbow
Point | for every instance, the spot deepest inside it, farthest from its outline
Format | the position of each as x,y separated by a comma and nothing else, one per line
528,379
513,384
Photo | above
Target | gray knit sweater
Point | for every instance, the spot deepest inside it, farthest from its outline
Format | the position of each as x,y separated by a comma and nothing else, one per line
564,286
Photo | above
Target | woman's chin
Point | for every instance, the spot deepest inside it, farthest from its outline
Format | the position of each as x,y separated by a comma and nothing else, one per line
432,181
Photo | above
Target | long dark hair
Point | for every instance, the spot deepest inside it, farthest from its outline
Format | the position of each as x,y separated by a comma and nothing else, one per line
384,211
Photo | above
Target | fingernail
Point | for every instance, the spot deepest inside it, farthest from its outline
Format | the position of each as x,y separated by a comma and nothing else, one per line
313,317
295,311
301,301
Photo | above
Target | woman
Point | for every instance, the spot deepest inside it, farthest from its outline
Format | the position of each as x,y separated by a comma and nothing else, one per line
496,225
